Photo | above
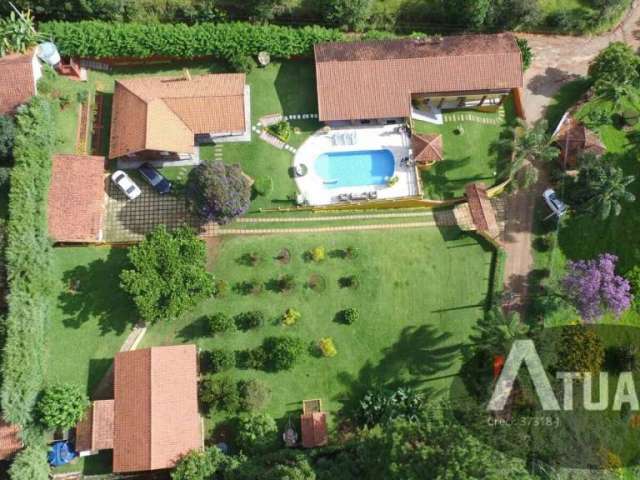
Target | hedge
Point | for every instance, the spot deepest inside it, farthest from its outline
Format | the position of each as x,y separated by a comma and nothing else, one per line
28,257
96,39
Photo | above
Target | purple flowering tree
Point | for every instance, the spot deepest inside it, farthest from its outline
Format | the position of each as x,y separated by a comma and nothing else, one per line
218,192
593,287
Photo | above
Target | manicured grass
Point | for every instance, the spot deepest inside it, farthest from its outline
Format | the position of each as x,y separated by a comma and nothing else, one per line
468,156
92,316
415,315
551,6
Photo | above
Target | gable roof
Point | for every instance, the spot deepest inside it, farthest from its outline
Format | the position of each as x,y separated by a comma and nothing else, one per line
17,84
95,431
313,426
10,441
164,113
574,139
427,148
76,198
156,408
375,79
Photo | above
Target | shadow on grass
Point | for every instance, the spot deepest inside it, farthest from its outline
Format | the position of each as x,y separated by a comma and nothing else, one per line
100,464
97,389
196,329
295,87
415,359
93,290
565,98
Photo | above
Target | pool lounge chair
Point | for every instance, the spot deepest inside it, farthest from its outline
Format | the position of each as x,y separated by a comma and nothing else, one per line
373,195
343,197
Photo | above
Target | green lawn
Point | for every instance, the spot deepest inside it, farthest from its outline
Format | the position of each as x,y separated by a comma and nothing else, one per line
415,315
92,316
468,156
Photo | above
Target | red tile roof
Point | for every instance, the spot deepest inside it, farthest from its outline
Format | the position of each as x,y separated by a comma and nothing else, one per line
427,148
95,431
375,79
314,429
482,212
76,198
10,441
17,84
164,114
574,139
156,408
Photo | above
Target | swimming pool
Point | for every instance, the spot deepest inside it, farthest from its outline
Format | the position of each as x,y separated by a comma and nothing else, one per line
351,169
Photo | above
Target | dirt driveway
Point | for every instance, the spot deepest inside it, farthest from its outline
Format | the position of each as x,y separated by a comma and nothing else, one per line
560,59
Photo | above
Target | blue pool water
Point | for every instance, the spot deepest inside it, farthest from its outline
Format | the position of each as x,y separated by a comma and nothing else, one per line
351,169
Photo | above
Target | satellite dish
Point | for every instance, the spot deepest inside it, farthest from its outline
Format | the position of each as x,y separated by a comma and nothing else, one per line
48,53
264,58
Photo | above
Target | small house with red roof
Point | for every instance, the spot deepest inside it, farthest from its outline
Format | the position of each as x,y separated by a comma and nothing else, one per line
313,424
19,75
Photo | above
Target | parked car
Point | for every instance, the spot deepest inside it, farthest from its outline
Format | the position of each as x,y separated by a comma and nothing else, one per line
556,205
154,178
124,183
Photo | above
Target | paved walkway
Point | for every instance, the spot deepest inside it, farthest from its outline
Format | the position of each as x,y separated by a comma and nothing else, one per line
325,218
474,117
329,229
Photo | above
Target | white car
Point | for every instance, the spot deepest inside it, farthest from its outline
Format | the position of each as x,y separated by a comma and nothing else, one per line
556,205
124,183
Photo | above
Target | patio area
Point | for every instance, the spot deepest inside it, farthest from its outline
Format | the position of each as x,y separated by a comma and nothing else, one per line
324,181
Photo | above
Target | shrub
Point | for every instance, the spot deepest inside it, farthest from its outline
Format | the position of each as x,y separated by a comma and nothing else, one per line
352,281
291,317
352,252
256,432
282,352
221,288
220,40
7,135
168,273
317,283
254,395
30,464
218,392
350,315
249,320
631,117
285,283
633,277
253,287
580,350
382,406
327,347
218,192
255,358
220,323
201,465
317,254
219,360
348,14
62,406
263,185
28,262
282,130
250,259
527,53
241,63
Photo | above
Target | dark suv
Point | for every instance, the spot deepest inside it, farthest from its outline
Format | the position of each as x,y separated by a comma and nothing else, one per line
154,178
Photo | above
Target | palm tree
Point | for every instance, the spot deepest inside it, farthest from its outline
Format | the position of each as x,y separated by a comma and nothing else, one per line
497,330
603,187
529,144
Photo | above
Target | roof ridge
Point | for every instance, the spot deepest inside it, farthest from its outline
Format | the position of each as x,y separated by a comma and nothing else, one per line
466,55
150,399
177,115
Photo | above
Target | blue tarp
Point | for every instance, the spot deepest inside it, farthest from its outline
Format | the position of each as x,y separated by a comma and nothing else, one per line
60,453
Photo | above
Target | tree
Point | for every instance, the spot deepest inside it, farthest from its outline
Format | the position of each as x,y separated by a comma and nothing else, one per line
218,392
436,443
168,274
30,464
528,145
601,187
218,192
383,406
593,287
202,465
62,406
497,330
527,53
349,14
256,432
254,395
7,133
617,63
469,13
618,94
282,352
17,33
280,465
580,350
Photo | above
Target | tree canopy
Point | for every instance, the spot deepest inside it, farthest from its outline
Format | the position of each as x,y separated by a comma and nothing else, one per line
617,63
218,192
168,274
62,406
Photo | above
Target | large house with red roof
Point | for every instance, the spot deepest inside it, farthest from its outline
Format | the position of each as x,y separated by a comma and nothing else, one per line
381,80
153,419
19,75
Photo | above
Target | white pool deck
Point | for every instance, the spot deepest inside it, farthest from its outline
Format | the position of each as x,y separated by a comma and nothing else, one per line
312,189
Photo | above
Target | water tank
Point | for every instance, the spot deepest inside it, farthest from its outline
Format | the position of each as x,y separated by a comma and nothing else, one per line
48,53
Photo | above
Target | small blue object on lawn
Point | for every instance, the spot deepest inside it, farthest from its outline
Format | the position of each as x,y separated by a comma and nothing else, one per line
60,453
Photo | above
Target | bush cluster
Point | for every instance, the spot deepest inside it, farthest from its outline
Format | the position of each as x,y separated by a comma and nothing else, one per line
28,257
249,320
349,315
218,360
291,317
254,395
275,354
327,347
233,42
220,323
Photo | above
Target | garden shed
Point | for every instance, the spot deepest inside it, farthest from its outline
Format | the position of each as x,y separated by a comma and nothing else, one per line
313,424
575,139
